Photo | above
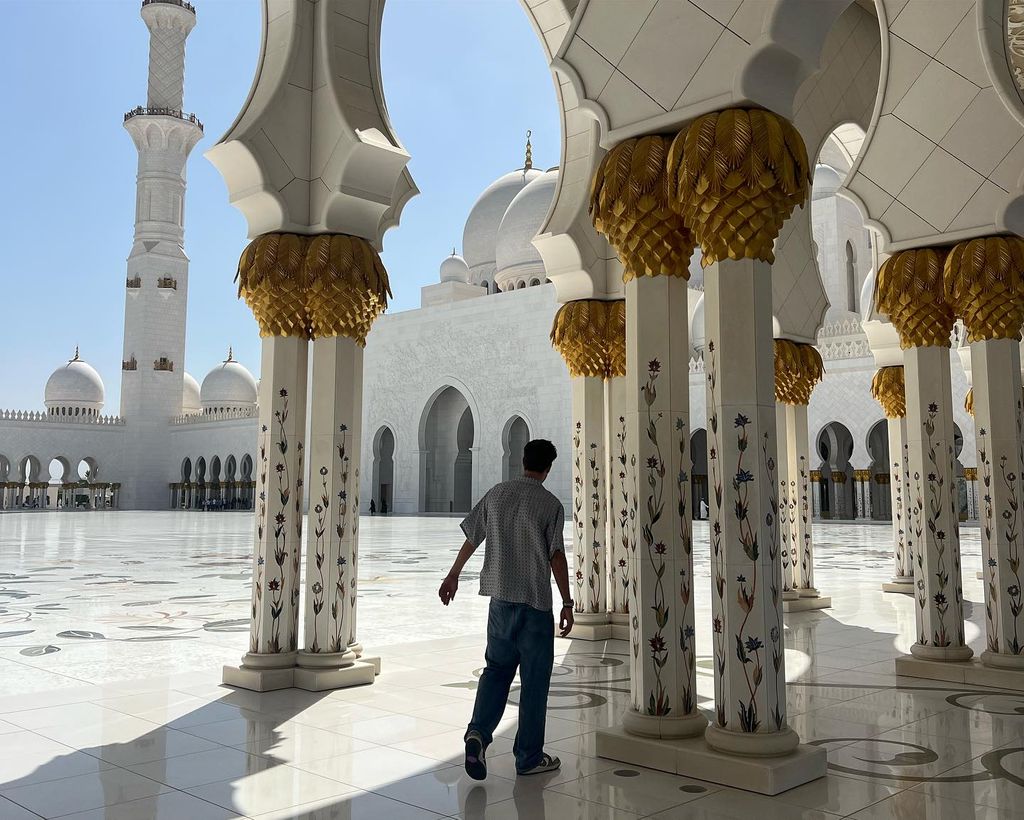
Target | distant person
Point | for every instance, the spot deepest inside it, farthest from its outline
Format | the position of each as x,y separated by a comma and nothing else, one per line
383,506
521,523
373,507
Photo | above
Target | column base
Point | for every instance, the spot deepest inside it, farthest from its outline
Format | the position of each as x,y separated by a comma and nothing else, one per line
972,672
620,626
902,584
635,723
942,654
356,649
806,600
359,673
590,626
693,757
789,595
258,680
999,660
325,660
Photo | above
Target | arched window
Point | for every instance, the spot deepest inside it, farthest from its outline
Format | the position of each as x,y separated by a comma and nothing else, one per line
851,278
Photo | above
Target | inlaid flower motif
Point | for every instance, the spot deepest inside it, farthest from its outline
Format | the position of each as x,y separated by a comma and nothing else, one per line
274,584
660,548
717,625
753,644
317,588
657,643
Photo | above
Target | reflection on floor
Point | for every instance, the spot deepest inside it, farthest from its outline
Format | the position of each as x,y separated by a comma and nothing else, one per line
178,745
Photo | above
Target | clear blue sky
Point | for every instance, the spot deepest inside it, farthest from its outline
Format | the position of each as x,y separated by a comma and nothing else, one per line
464,79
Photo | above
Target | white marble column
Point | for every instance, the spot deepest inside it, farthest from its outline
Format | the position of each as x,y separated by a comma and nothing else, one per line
902,510
280,467
940,622
839,500
801,536
995,365
589,508
816,492
746,601
785,507
326,661
663,652
622,508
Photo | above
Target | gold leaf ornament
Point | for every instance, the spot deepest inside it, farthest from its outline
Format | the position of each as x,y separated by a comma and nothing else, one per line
630,204
313,286
798,368
591,336
910,291
969,402
888,389
736,176
984,283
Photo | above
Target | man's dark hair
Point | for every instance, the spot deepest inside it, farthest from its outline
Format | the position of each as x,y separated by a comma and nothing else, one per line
539,455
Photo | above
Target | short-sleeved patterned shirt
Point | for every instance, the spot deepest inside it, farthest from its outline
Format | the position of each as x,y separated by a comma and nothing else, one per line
521,523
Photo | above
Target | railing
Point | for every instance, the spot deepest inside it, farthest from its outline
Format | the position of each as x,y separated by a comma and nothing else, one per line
164,364
42,416
180,3
217,416
133,283
129,364
141,110
167,282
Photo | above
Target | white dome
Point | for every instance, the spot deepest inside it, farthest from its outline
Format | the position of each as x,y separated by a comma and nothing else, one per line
190,402
697,332
454,269
867,297
75,386
228,386
480,235
515,256
826,181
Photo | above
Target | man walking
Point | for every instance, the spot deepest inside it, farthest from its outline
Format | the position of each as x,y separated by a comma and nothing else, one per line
521,523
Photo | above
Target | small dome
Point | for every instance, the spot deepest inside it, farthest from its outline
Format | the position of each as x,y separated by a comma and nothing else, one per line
515,256
826,181
697,332
75,386
190,402
454,269
229,386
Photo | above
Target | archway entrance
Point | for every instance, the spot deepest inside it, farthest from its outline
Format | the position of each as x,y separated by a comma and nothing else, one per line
384,470
513,442
699,475
446,454
881,465
835,446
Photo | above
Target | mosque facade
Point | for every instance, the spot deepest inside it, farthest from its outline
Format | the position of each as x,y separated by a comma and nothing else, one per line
453,390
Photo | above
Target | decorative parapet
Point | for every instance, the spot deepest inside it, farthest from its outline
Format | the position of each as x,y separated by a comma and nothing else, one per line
163,363
843,339
44,417
129,364
217,416
697,364
167,282
142,111
133,282
179,3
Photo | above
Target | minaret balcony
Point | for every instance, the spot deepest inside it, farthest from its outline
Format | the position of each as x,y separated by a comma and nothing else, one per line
164,364
134,285
145,111
166,285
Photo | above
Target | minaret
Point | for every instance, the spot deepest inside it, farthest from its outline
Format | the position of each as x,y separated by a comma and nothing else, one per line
157,284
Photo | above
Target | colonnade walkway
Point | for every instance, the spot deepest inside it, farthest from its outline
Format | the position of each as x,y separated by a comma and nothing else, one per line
86,614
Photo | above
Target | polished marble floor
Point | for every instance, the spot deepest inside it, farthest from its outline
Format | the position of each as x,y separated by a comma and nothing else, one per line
110,727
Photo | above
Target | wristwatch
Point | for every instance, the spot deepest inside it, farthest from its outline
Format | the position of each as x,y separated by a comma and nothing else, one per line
568,604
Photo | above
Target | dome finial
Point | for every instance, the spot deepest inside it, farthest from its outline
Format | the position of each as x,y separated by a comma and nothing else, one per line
230,357
76,357
529,152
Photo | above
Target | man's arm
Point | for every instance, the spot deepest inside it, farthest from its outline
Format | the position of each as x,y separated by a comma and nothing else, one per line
560,569
450,585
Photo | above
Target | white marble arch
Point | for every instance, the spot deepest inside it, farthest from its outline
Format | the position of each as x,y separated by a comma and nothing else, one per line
479,435
510,466
937,173
375,477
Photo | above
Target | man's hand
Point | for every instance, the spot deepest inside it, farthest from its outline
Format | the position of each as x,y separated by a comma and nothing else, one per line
565,621
449,587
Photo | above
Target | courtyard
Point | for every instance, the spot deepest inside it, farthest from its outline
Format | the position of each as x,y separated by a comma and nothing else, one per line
113,627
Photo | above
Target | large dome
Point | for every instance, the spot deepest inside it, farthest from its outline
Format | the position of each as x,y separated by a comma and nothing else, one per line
517,260
74,389
190,401
229,386
480,235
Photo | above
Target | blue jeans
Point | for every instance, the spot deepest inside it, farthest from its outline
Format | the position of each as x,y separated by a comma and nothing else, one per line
517,636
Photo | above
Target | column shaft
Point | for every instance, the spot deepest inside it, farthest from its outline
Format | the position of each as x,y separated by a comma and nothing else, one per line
663,659
940,621
787,508
622,508
746,601
801,537
998,418
589,476
902,504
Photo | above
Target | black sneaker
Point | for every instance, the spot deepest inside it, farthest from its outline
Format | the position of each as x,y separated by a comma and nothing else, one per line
476,766
547,763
